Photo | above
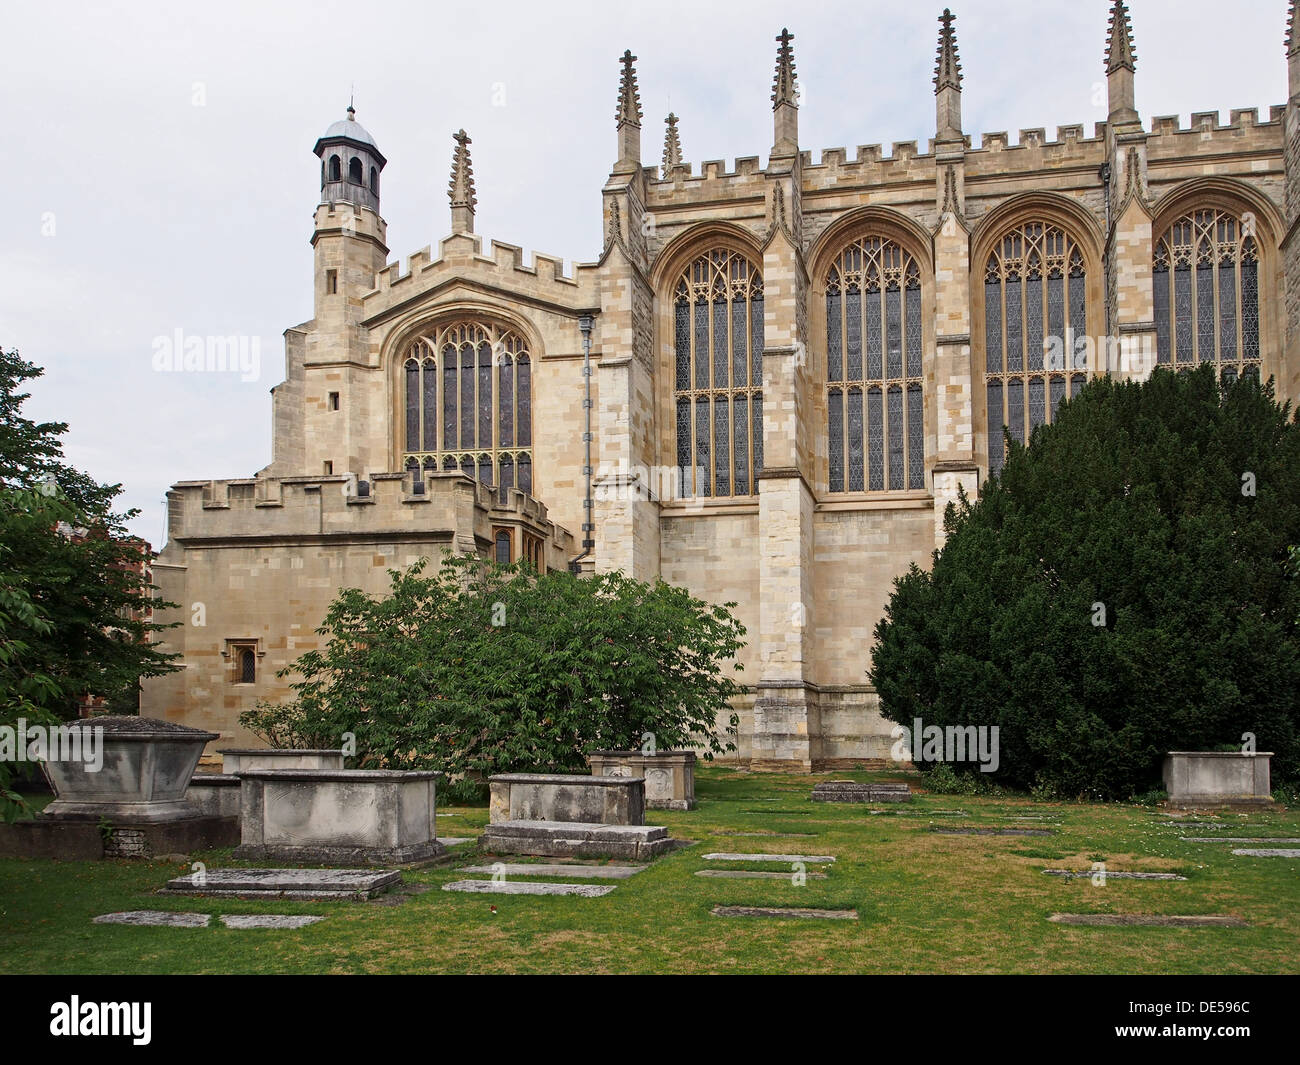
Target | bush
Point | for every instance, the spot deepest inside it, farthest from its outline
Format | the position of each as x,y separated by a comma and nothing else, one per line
482,669
1122,590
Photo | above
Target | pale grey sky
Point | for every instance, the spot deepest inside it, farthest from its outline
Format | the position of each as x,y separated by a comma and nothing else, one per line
132,212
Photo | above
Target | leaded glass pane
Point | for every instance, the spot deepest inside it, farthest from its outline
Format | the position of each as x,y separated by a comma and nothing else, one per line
913,332
1015,328
853,334
1016,408
993,326
835,416
721,452
1076,384
429,377
467,397
524,400
1078,297
1227,310
1205,316
757,435
1037,403
855,440
506,401
894,332
1249,310
507,467
895,437
740,442
1056,310
875,440
485,395
834,352
701,356
756,341
702,447
449,422
1183,312
684,447
412,406
1056,394
720,351
467,466
739,348
875,342
996,419
1160,278
682,343
915,438
1034,323
525,474
485,469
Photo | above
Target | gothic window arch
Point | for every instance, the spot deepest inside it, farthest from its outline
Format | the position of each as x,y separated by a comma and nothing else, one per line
1205,272
718,380
874,400
336,168
356,171
467,389
374,181
1035,330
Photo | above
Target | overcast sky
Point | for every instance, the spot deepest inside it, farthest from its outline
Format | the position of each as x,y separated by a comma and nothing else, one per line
158,172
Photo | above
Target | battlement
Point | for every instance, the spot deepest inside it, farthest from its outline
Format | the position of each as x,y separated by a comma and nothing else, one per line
461,255
453,509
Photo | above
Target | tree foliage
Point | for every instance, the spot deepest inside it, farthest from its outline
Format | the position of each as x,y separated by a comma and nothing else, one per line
1120,591
478,669
74,615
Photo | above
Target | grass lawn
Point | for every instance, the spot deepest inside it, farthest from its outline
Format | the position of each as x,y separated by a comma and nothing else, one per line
927,902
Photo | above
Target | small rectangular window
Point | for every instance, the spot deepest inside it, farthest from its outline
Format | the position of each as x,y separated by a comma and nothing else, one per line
334,401
243,655
329,468
503,546
332,282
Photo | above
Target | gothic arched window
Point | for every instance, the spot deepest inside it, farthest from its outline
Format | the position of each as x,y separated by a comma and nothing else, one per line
374,181
355,171
247,666
336,168
1035,330
718,345
475,380
874,402
1206,277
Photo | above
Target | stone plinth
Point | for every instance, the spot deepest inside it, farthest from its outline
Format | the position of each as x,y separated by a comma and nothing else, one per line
145,769
669,775
558,839
338,815
1218,778
238,759
852,791
595,800
285,883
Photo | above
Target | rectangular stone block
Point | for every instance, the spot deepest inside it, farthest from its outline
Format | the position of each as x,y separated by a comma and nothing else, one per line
553,839
597,800
669,775
1218,778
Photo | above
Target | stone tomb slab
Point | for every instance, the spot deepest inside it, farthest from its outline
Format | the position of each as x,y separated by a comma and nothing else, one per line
1076,874
575,839
268,920
528,887
581,872
1267,852
811,859
1136,920
854,791
286,883
992,831
1238,839
155,919
750,874
787,912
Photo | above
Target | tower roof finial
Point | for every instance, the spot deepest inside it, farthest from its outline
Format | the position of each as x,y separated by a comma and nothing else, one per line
783,84
672,145
947,68
1119,40
461,186
629,98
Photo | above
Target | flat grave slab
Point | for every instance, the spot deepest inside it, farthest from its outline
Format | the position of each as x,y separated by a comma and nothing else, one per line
582,872
522,887
784,912
1075,874
772,835
155,919
1238,839
286,883
812,859
853,791
451,841
1267,852
992,831
750,874
577,839
1134,920
268,920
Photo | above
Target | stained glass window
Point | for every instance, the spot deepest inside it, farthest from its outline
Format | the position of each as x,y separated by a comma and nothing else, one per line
486,415
873,306
1035,322
1206,268
718,346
